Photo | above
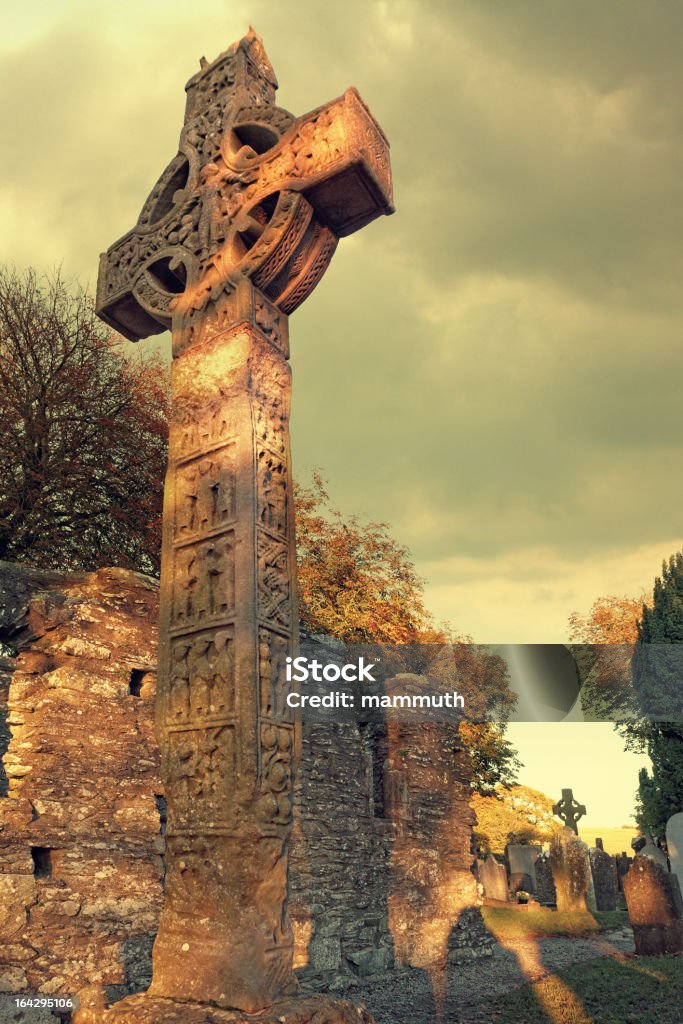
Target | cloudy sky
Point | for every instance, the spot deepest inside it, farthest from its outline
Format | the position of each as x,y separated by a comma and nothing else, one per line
495,370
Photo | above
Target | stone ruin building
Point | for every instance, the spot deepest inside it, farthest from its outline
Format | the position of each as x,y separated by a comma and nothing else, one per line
381,865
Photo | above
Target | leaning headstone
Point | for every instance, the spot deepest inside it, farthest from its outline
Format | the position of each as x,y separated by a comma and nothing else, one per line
674,842
605,885
571,871
545,887
493,878
522,870
655,908
644,847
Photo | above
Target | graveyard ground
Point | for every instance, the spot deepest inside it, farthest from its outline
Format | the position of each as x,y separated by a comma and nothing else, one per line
511,924
546,968
614,990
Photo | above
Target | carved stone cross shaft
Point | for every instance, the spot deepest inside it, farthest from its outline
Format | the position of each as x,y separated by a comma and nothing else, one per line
235,235
569,810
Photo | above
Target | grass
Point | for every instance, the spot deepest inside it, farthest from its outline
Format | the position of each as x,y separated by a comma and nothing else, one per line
604,991
611,919
515,924
616,840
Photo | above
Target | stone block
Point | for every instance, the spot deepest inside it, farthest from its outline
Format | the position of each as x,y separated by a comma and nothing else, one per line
522,860
570,866
674,842
655,908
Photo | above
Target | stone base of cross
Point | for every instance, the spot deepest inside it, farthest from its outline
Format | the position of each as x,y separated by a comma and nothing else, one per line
142,1009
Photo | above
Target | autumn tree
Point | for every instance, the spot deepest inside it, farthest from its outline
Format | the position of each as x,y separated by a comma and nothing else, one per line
607,635
359,585
83,433
495,764
514,815
611,620
356,583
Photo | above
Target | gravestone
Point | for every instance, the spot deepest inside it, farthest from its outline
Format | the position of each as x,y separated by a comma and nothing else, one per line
494,879
644,847
545,887
569,810
522,860
571,871
604,873
623,862
674,842
655,908
235,235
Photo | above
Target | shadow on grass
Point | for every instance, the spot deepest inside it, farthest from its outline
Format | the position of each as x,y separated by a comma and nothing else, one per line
613,990
518,932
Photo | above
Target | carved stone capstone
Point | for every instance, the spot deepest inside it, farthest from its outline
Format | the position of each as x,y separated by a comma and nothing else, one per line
253,193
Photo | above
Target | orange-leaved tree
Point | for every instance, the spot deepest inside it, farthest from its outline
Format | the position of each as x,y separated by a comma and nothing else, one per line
515,815
608,633
359,585
356,583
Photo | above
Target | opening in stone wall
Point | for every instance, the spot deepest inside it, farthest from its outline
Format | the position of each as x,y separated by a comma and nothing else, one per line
376,743
42,861
135,684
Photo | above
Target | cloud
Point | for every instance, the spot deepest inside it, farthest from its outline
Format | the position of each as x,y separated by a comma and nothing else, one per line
494,370
527,596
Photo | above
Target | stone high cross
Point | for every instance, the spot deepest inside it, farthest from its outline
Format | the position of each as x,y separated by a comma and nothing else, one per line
569,810
237,232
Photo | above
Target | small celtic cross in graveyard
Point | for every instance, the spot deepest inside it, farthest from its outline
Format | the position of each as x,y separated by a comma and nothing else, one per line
569,810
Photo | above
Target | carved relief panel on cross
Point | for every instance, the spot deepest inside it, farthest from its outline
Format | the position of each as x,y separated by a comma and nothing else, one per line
236,233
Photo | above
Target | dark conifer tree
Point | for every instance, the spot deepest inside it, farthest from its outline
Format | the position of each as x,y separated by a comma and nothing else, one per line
658,681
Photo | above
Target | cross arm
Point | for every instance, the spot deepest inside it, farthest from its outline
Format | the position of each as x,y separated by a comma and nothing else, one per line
338,156
270,212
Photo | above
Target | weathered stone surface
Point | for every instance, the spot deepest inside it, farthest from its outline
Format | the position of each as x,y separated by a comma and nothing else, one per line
493,878
351,801
571,871
522,860
569,810
545,886
370,810
80,887
674,842
235,235
655,908
604,874
149,1010
644,847
432,887
623,862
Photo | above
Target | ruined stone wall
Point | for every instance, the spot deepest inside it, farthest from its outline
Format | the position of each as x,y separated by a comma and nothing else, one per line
7,665
433,893
338,861
380,863
80,882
